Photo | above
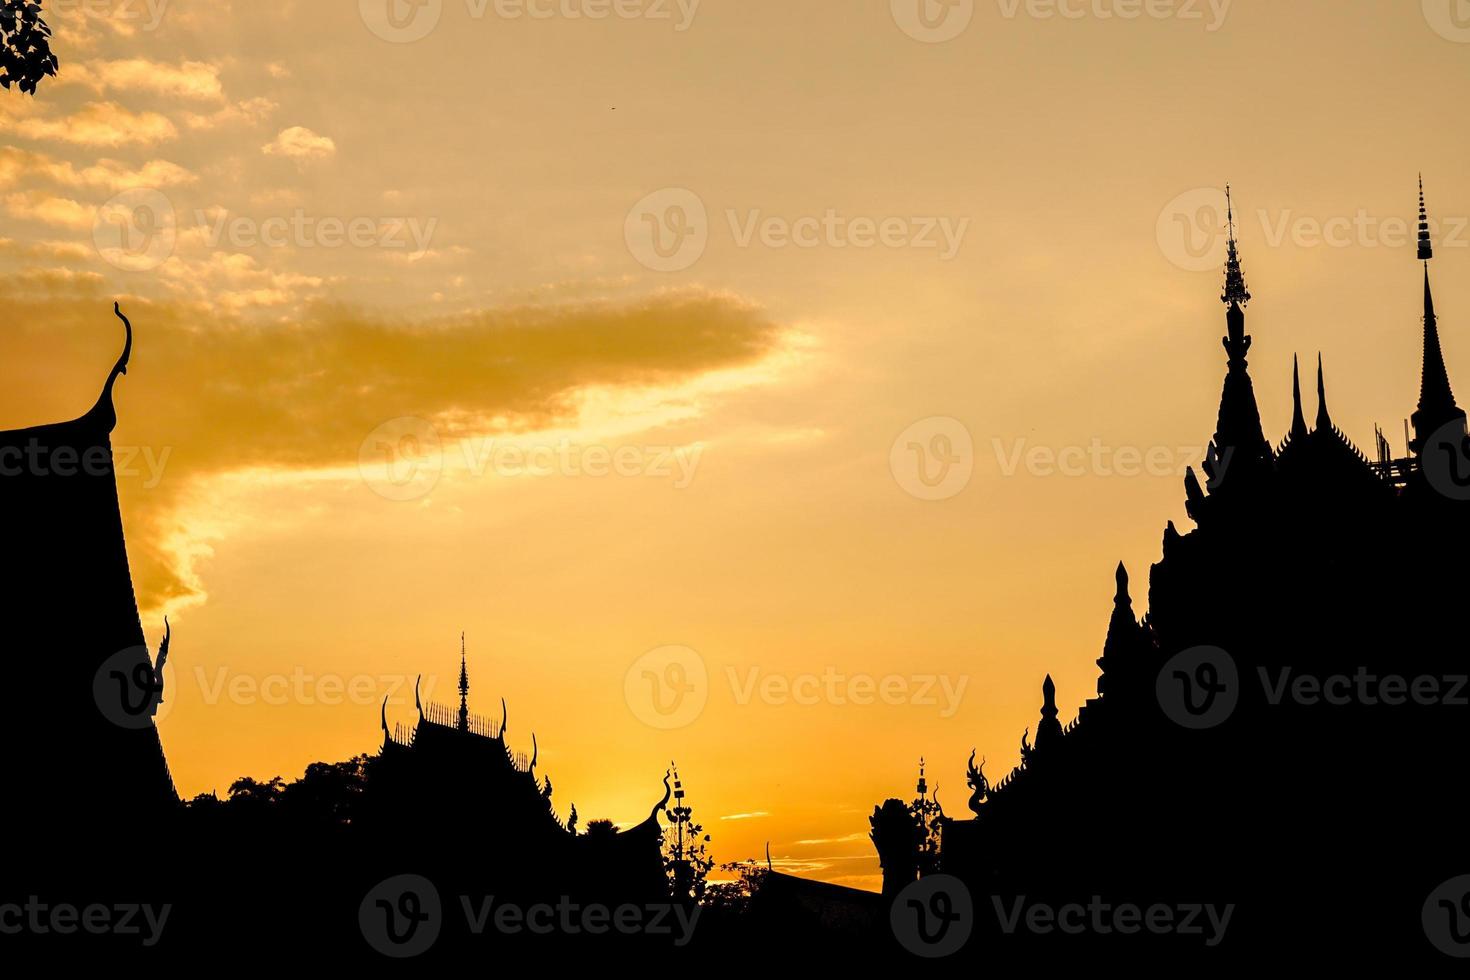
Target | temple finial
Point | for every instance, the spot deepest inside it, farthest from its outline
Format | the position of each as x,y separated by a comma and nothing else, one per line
1298,417
1426,245
1437,409
102,413
122,362
1236,293
464,688
1121,596
1324,421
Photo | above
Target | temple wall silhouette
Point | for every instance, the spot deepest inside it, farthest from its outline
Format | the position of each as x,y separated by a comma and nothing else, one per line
1330,817
74,630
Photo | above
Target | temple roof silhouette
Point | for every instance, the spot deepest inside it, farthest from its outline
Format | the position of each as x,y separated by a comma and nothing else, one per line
1188,772
73,619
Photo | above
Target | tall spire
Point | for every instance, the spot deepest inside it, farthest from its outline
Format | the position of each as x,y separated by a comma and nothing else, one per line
464,688
1239,439
1298,417
1324,421
1236,293
1437,407
1048,730
1426,245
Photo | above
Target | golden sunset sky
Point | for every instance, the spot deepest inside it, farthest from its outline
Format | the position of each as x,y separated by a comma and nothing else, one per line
593,336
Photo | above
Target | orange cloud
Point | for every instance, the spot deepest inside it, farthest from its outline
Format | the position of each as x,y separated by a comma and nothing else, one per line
49,209
188,79
214,394
300,143
94,124
16,164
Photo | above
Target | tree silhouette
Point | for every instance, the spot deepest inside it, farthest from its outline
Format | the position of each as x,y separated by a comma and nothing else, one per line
601,829
734,895
25,45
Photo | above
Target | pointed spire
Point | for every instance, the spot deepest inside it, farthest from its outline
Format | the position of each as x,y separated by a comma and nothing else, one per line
1324,421
1049,730
1121,597
464,688
1298,417
1437,406
1236,293
1426,245
1238,428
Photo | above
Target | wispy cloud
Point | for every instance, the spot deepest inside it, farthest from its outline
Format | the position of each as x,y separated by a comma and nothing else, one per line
186,80
300,143
746,816
16,164
247,112
94,124
830,840
49,209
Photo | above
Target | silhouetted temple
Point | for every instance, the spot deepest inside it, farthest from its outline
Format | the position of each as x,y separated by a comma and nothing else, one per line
1286,726
87,763
90,813
454,790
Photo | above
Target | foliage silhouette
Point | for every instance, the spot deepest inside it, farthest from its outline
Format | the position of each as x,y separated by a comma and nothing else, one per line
25,46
